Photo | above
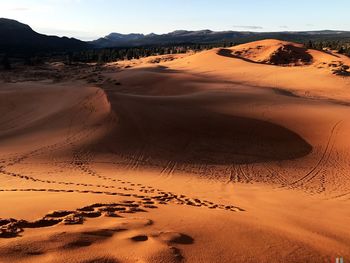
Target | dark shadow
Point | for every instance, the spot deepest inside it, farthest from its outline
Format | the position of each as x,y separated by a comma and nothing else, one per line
140,238
161,69
106,259
104,233
283,56
284,92
161,130
329,53
229,53
341,72
78,244
183,239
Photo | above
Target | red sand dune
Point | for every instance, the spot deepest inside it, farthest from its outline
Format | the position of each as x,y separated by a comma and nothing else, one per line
227,155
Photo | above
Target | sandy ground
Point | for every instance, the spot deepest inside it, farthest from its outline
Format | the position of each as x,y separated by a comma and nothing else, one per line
218,156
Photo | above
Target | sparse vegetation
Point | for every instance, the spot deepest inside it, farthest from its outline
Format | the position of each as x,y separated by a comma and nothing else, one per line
115,54
106,55
341,46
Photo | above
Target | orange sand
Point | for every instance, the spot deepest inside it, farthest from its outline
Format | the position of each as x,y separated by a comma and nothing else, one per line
206,157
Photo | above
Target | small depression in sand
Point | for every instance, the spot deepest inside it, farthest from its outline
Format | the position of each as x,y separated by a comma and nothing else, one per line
182,129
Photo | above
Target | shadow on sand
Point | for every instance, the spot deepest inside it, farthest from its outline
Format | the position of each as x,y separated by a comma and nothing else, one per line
184,131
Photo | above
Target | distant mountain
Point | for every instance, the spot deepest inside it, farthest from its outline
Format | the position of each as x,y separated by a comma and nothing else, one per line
179,36
208,36
16,37
119,40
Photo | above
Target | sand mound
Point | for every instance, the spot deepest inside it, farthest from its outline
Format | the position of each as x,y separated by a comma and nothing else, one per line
272,52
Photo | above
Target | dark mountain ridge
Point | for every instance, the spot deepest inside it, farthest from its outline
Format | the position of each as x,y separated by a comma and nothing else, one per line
208,36
19,38
16,37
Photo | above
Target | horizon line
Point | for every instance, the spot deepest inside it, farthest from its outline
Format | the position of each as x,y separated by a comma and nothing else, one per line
92,38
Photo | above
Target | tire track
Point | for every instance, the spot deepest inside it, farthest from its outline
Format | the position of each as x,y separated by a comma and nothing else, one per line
320,164
233,177
242,172
275,175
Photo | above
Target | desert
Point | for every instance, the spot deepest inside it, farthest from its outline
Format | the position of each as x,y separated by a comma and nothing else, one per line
235,154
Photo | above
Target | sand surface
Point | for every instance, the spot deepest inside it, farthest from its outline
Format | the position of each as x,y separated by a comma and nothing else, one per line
215,156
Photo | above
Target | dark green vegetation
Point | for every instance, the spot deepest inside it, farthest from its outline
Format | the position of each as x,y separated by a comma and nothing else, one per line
212,37
342,46
105,55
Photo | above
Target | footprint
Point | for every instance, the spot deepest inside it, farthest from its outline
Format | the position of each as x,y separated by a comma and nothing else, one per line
59,213
90,214
175,238
140,238
73,220
177,253
77,244
44,222
105,259
9,230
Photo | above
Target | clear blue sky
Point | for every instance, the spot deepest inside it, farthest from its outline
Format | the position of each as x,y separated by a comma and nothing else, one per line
90,19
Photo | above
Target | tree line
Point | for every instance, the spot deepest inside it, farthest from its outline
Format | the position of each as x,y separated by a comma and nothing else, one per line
106,55
341,46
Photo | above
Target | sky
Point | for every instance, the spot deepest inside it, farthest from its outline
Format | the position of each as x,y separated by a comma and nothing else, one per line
91,19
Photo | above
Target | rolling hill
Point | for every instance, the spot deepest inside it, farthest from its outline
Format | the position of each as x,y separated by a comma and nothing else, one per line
208,36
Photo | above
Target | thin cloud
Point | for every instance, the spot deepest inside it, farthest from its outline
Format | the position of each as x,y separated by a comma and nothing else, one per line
20,9
247,27
82,35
